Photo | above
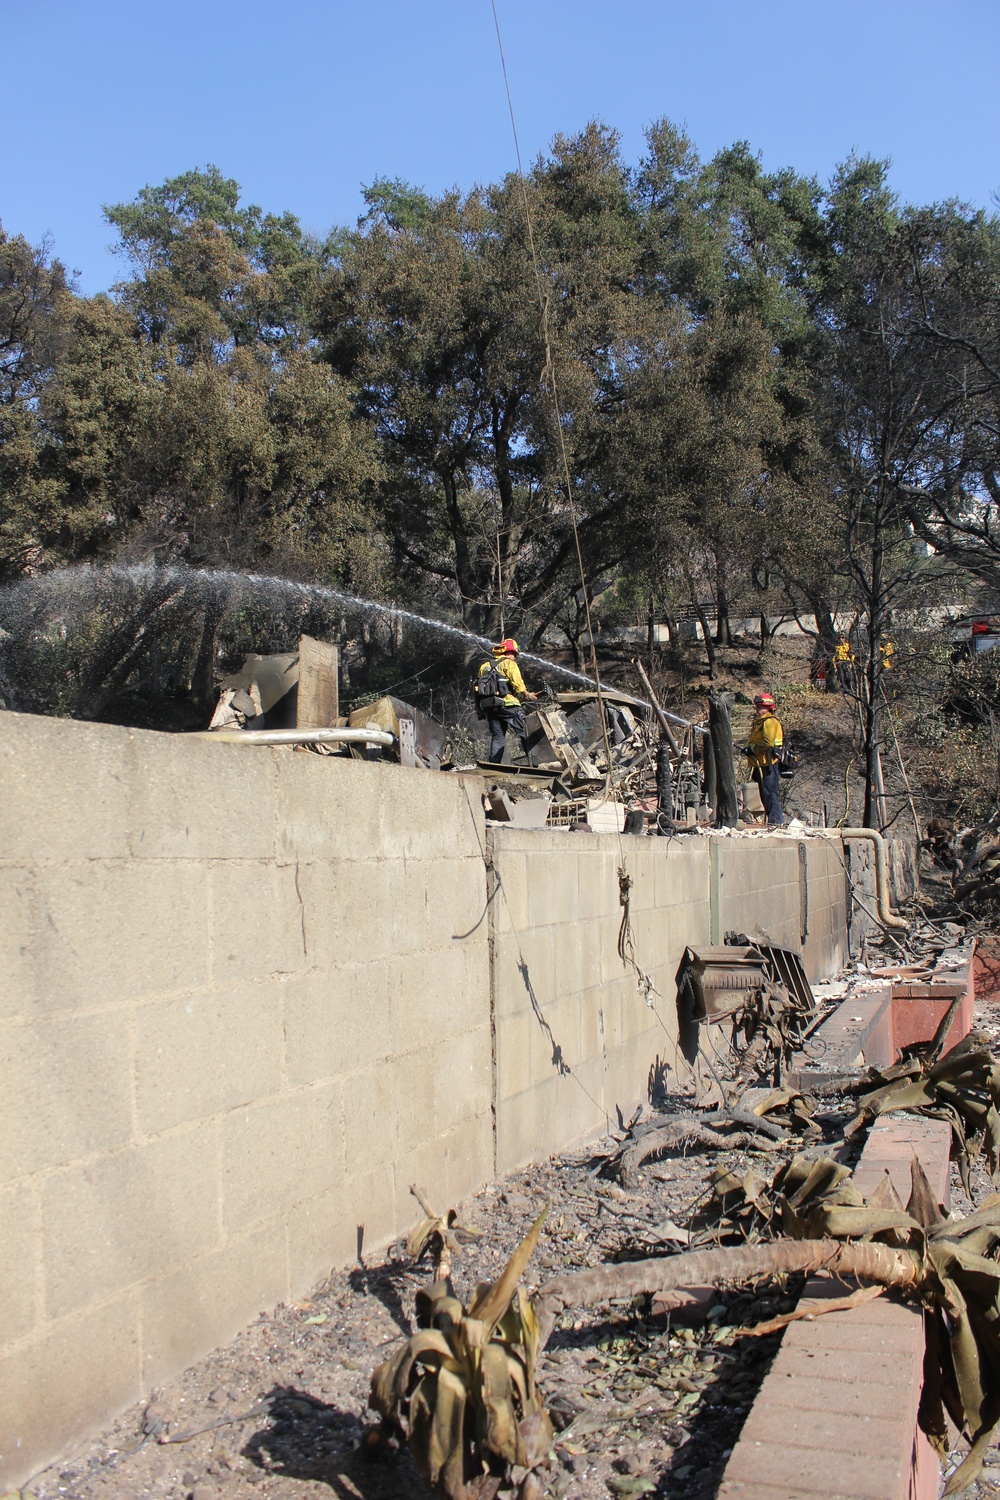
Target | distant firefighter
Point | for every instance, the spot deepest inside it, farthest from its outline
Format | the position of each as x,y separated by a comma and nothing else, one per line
499,690
765,744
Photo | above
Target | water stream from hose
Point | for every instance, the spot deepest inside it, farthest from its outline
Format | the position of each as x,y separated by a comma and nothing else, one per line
49,597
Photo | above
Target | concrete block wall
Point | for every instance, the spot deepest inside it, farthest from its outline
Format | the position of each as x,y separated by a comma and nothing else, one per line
788,892
251,995
575,1037
244,1007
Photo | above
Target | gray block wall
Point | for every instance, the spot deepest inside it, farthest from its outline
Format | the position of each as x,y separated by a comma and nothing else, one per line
251,995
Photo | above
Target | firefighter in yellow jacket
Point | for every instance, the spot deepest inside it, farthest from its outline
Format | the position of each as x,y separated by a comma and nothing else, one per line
764,746
507,713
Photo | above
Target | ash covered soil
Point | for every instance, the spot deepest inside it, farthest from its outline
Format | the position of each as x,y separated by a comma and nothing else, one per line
643,1407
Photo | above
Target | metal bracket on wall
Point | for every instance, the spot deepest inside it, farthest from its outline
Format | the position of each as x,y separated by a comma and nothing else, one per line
407,743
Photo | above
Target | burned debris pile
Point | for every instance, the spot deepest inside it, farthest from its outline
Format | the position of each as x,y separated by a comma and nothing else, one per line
599,760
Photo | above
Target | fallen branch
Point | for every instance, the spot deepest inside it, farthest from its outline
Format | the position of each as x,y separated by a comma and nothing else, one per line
642,1278
815,1310
685,1132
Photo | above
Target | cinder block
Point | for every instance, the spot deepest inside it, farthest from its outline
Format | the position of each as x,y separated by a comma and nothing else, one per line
18,902
259,921
192,800
44,766
136,1214
327,808
441,1168
280,1153
577,955
468,1153
431,816
597,896
519,1064
523,1126
427,1000
336,1021
454,900
207,1301
509,907
593,1005
107,932
20,1256
204,1053
349,910
323,1231
368,1210
681,872
462,1073
553,878
58,1390
370,1115
66,1091
524,973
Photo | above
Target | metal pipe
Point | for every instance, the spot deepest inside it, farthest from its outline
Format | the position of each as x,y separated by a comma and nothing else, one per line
871,836
298,736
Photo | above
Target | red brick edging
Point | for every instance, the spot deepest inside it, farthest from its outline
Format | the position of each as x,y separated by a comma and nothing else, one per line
836,1416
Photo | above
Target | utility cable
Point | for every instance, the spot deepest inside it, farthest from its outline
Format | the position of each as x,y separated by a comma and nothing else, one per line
626,942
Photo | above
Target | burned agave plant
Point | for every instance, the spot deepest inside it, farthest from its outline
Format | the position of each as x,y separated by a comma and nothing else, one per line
440,1235
821,1222
962,1087
462,1389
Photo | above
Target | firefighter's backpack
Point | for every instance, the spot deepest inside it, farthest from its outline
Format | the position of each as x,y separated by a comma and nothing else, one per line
787,762
489,689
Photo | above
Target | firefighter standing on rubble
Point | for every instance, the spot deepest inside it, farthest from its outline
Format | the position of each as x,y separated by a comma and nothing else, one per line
506,713
765,743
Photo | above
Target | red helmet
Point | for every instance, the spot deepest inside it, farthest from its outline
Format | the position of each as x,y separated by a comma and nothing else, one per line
506,647
764,700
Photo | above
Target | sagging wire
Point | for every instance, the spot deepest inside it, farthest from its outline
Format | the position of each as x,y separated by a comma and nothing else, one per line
626,938
558,1058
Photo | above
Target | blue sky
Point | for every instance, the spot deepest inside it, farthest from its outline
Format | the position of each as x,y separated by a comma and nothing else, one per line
304,101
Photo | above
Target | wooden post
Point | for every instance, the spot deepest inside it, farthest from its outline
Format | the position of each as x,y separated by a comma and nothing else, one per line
722,743
318,703
661,717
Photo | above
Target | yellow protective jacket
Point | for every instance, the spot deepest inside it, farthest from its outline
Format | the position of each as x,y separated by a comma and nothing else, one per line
764,742
508,667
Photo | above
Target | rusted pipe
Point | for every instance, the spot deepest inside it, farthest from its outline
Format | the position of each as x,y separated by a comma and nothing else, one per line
298,736
870,835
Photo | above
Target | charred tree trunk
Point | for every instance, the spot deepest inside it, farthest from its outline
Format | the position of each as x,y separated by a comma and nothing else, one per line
873,665
664,789
699,610
827,636
723,635
721,731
